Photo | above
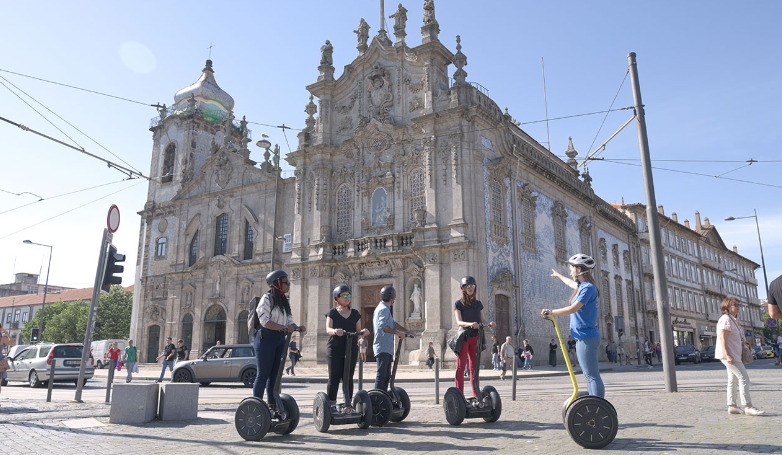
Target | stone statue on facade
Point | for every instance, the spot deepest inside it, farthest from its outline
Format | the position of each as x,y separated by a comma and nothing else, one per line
380,95
363,35
415,297
400,20
429,12
326,52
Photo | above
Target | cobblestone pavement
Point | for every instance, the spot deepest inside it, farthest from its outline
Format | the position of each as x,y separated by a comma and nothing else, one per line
651,421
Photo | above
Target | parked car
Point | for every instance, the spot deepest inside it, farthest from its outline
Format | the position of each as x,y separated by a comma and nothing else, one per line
223,363
707,355
32,364
768,352
687,353
99,350
758,353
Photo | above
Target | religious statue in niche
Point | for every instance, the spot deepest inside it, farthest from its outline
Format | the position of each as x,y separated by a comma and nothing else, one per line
415,297
379,207
380,95
326,54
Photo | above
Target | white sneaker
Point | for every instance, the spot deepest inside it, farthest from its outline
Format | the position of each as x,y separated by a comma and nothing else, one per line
734,410
750,411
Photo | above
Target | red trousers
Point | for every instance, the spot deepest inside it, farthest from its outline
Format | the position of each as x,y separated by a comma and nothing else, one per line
467,352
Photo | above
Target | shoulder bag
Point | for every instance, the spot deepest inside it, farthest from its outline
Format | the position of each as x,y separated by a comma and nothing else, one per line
746,352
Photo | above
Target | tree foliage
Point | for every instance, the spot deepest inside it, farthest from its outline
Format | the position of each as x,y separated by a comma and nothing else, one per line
67,321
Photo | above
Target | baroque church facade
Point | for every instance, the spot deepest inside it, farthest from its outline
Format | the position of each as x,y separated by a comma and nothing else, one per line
404,175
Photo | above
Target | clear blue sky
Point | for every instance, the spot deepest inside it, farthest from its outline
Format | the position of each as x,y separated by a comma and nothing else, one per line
709,70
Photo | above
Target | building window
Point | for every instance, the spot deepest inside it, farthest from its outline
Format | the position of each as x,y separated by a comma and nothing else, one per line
380,211
287,243
16,315
249,244
605,294
24,316
8,318
559,214
528,208
160,247
167,174
344,212
615,254
193,250
626,257
497,207
221,234
603,250
585,235
417,192
620,308
496,202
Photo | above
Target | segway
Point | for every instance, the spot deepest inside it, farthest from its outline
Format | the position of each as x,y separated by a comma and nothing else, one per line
591,421
392,404
457,407
254,417
323,409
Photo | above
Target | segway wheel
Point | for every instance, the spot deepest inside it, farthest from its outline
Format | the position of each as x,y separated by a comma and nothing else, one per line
592,422
565,406
252,419
404,403
363,405
381,407
454,405
292,411
321,412
492,398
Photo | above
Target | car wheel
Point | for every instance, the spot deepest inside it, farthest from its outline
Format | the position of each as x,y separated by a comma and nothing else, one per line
182,375
34,382
248,377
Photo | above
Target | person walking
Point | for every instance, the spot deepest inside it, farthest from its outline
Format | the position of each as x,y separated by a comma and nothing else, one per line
495,353
340,320
571,348
468,311
385,329
659,351
612,351
648,353
362,347
583,311
729,345
552,353
527,353
182,352
276,319
113,354
293,355
130,360
430,355
168,356
507,352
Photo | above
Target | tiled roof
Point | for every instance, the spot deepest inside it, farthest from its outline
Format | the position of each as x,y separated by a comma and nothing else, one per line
70,295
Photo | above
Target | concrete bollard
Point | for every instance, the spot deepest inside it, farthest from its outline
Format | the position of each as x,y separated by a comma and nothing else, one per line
178,401
134,403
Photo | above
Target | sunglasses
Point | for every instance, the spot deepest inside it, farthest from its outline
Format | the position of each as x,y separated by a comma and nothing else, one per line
346,295
285,282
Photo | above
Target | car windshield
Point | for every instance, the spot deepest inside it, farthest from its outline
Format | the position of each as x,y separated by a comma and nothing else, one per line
69,352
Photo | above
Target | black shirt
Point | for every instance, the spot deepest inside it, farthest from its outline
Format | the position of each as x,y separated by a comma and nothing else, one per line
167,351
470,314
180,352
337,344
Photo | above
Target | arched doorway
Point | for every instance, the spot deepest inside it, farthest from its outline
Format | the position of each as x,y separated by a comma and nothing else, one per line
214,327
242,337
153,343
502,317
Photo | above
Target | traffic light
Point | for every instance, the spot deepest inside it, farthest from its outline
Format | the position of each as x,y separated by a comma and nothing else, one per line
34,335
112,268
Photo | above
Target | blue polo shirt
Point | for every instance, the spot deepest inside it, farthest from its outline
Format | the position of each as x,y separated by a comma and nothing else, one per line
583,323
384,342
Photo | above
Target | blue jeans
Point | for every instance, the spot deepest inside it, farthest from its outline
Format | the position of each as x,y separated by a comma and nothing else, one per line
384,361
166,363
269,346
586,351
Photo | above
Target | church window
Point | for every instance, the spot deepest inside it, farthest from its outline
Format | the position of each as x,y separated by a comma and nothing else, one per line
605,293
585,234
193,250
249,242
379,207
528,207
560,242
615,254
160,247
496,202
168,164
498,209
221,234
417,192
620,309
344,212
603,250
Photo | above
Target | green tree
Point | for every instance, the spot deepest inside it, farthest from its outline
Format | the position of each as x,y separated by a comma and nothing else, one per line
113,317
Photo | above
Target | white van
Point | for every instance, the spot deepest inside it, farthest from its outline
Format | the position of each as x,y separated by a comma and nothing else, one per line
100,351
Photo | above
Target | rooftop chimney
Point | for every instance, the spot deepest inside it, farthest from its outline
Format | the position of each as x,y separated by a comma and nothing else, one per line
660,209
697,220
674,217
687,223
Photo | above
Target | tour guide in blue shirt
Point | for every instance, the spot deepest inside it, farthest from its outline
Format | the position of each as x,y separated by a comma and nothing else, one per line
385,329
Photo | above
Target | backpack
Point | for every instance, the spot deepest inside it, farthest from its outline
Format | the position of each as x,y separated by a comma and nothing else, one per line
253,323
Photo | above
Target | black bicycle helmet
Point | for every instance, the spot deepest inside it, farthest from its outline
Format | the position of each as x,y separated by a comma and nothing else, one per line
274,276
388,293
342,288
467,280
583,260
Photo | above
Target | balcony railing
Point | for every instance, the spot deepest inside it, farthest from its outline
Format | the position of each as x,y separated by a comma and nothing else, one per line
369,245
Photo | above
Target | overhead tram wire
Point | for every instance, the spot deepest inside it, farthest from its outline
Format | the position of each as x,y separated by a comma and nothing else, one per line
41,199
621,84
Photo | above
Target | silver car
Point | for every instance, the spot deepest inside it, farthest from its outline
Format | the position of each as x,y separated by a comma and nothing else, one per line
222,363
32,364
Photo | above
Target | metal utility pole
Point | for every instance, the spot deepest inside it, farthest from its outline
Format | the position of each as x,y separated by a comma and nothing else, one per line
660,282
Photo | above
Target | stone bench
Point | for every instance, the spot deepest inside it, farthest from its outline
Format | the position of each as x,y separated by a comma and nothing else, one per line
178,401
134,403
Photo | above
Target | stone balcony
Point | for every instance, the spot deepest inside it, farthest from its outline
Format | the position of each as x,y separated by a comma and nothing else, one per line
372,245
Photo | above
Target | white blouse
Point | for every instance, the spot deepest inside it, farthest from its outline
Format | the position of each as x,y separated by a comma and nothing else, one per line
266,314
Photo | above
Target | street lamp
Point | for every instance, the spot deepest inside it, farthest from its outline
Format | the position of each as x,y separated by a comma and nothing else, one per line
265,144
45,286
762,260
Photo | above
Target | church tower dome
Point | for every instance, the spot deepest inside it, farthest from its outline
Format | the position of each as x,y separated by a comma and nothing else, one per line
213,102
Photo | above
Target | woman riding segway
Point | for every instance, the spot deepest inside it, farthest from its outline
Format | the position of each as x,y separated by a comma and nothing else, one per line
343,324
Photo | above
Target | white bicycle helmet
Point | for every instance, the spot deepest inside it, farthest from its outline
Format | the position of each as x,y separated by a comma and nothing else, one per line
582,260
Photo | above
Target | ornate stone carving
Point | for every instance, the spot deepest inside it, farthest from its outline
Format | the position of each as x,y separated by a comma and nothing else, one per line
459,255
325,233
380,95
503,281
375,269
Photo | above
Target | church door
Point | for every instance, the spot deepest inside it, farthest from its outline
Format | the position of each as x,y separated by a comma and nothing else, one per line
214,327
370,296
153,343
502,317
